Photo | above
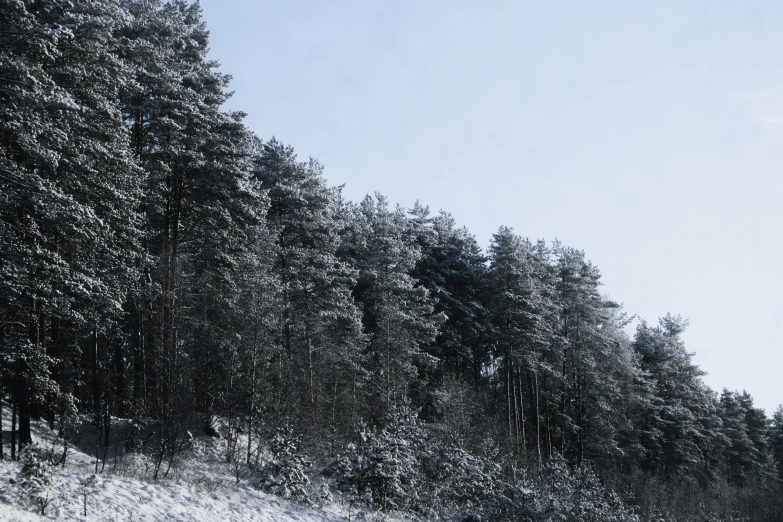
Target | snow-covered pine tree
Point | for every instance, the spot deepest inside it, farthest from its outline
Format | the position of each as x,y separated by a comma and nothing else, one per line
747,459
451,267
464,480
71,191
595,360
204,214
384,469
757,429
776,439
98,168
28,197
399,314
286,474
681,428
321,327
35,478
169,106
522,316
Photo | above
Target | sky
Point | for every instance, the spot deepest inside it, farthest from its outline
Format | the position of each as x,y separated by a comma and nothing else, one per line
648,134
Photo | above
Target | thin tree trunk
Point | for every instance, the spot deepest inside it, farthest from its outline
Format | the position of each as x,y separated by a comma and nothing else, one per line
96,397
538,419
310,390
23,387
580,441
231,400
139,389
515,403
173,273
55,354
521,413
508,397
563,409
334,397
25,434
476,368
565,386
106,438
252,392
547,421
13,426
165,325
353,403
388,366
2,456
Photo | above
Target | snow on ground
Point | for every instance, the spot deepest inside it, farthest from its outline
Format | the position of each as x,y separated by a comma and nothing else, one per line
114,498
202,489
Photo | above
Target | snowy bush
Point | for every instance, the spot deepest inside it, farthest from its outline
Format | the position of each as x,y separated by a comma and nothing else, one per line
384,471
463,479
285,474
562,494
35,479
346,471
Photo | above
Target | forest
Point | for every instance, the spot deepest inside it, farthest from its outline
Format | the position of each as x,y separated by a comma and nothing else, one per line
161,263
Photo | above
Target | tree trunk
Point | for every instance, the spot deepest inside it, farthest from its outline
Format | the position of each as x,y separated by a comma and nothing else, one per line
25,434
538,418
165,325
23,386
174,276
580,441
547,421
515,404
139,388
2,456
96,390
334,398
13,426
96,400
523,435
310,390
253,354
563,406
55,354
508,396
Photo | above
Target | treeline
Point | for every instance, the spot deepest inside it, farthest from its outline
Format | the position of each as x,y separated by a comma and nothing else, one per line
159,261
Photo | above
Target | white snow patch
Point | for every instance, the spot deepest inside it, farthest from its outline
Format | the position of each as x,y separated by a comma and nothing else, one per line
202,488
114,498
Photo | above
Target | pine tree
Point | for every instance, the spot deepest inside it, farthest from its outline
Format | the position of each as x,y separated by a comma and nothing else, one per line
776,439
35,478
321,328
595,360
747,457
285,475
385,469
738,460
522,311
464,479
685,426
399,314
204,220
72,217
756,423
451,267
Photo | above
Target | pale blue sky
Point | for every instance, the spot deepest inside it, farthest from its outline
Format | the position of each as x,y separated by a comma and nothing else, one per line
649,134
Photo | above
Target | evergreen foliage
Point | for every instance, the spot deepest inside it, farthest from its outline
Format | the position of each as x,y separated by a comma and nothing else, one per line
35,481
158,261
285,474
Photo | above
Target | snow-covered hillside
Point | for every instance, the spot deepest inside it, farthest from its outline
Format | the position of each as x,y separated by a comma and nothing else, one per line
202,489
113,498
117,498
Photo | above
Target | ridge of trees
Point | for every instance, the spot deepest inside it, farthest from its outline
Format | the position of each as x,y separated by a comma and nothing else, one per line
158,261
